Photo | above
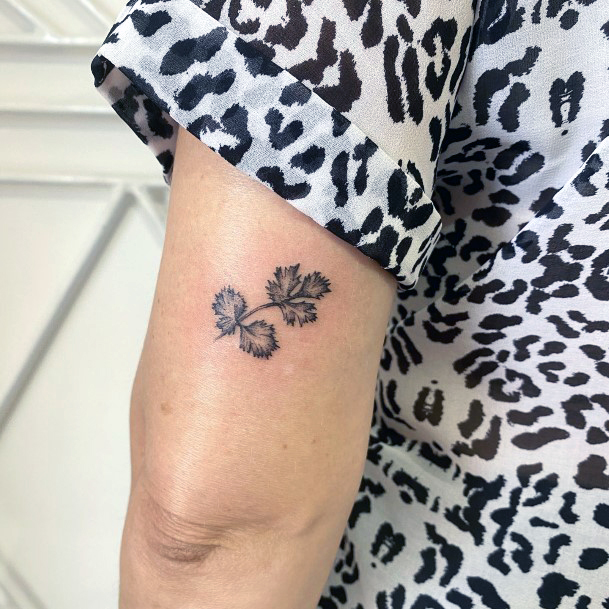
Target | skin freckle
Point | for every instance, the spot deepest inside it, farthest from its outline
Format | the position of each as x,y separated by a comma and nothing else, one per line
165,408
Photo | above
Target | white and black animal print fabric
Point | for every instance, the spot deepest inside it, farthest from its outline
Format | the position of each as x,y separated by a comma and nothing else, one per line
462,144
293,94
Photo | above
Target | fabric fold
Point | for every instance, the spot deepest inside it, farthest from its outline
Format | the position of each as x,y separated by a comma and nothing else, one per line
166,64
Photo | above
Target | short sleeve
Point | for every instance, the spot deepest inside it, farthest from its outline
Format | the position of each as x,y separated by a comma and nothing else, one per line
338,106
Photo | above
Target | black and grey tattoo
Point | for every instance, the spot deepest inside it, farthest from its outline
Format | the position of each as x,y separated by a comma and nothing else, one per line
288,292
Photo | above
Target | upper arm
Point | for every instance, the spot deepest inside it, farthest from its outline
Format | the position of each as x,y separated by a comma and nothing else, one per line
259,458
277,438
309,157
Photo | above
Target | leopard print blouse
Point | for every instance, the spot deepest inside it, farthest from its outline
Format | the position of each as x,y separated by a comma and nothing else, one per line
462,144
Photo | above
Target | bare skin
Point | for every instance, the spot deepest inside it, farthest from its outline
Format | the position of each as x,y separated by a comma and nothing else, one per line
246,462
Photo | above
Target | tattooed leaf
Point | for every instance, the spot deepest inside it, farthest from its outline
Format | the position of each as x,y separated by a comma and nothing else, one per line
287,291
258,338
298,311
229,306
314,285
287,278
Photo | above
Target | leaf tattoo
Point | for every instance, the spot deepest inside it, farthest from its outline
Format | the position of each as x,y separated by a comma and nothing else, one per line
258,339
229,306
288,291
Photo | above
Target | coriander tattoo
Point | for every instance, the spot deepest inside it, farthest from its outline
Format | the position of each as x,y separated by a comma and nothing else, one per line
288,292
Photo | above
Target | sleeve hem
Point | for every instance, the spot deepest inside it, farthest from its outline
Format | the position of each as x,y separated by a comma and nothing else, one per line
170,63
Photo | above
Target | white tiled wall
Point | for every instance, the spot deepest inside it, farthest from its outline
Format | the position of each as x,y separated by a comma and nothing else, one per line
81,227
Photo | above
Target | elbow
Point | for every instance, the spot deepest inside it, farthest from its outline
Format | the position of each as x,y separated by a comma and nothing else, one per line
168,538
182,512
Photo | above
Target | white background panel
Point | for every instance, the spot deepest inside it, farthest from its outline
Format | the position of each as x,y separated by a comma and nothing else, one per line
45,231
76,297
64,456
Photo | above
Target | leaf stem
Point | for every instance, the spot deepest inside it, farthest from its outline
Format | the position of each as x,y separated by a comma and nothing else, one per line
259,308
263,306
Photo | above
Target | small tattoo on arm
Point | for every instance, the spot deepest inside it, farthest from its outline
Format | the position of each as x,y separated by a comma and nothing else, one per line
288,292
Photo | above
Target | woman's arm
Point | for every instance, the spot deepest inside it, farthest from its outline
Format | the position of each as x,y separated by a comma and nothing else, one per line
245,467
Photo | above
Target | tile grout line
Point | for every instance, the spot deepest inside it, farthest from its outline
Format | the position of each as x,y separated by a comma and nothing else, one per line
62,309
16,590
